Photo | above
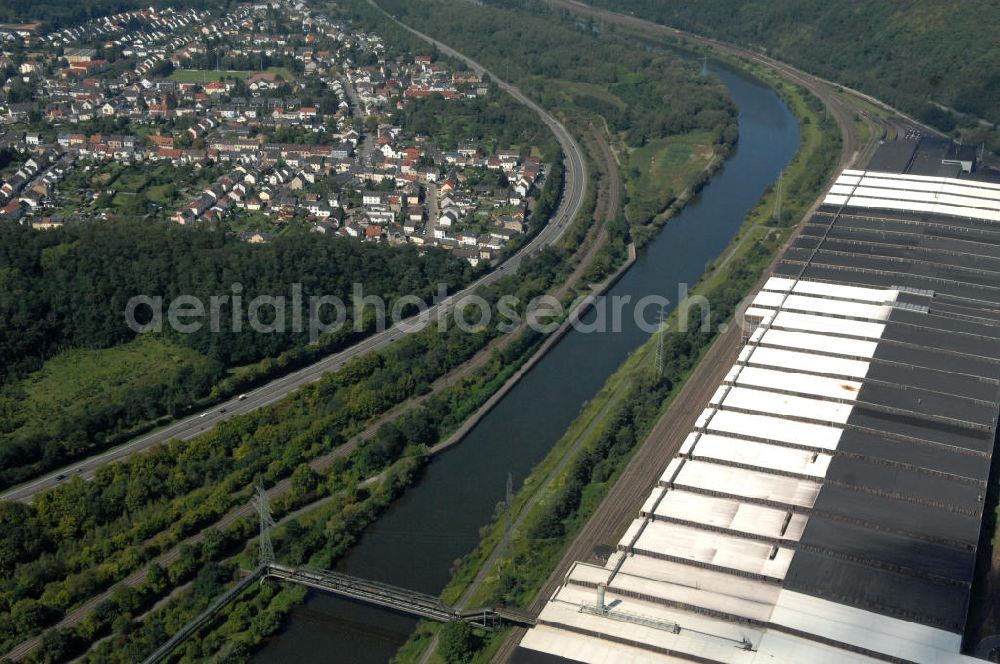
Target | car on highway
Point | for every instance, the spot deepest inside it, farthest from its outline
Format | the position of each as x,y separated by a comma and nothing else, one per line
222,410
242,397
60,478
203,415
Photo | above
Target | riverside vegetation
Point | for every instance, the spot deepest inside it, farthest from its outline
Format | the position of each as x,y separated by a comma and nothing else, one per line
81,538
620,417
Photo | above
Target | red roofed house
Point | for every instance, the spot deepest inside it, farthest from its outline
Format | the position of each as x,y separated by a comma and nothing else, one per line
162,141
215,88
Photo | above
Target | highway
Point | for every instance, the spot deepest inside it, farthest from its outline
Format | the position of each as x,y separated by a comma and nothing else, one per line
199,423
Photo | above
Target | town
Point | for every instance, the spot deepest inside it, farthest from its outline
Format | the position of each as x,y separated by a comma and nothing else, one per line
265,118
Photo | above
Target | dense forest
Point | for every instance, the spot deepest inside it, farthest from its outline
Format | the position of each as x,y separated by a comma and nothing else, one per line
63,296
652,94
913,55
69,288
79,538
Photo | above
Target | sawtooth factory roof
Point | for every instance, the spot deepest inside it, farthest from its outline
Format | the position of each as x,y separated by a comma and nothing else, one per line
828,504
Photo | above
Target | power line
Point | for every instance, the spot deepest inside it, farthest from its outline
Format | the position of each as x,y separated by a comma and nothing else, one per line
265,551
660,334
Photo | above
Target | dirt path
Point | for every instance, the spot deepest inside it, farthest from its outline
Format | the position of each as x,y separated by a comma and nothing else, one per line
608,203
611,199
80,612
605,209
622,501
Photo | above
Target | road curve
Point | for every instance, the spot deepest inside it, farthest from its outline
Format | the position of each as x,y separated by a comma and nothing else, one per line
569,206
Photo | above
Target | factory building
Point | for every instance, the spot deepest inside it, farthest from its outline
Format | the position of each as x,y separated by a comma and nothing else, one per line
828,504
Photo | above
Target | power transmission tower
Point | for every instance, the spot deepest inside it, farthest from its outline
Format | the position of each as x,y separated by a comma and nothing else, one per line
265,551
660,334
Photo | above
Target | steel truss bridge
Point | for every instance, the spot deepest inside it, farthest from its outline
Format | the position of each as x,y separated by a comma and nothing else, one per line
410,602
406,601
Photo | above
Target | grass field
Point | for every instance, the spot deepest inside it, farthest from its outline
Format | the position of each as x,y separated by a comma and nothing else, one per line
77,381
660,170
578,89
206,76
660,165
160,193
131,182
70,379
143,189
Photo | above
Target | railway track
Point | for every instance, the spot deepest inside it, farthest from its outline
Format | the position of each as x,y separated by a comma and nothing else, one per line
621,504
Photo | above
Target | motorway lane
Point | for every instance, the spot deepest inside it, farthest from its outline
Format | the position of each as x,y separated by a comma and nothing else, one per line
190,427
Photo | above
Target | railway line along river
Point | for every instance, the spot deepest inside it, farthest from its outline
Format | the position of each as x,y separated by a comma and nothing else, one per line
437,521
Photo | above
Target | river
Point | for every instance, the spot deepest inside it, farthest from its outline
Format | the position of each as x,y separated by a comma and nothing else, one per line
437,521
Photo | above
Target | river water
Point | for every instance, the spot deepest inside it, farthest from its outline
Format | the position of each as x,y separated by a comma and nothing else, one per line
437,521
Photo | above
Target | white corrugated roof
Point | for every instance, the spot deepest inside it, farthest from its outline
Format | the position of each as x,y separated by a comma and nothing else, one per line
865,629
761,455
739,482
819,436
820,364
737,499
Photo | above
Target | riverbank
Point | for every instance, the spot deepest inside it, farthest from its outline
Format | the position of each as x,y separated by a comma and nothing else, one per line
574,316
439,519
520,567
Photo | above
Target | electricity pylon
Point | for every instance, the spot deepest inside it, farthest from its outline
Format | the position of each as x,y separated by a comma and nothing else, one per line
660,333
265,550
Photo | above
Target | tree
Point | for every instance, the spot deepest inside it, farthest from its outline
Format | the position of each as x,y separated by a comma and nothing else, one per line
59,645
458,642
23,538
211,579
185,565
548,525
29,614
304,480
156,578
213,544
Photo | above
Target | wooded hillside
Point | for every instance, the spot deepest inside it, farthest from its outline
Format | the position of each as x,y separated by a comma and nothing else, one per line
908,54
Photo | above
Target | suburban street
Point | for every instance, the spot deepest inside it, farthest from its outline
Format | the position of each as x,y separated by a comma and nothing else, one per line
198,423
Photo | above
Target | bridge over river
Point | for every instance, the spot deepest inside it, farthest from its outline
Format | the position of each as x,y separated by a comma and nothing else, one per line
410,602
405,601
